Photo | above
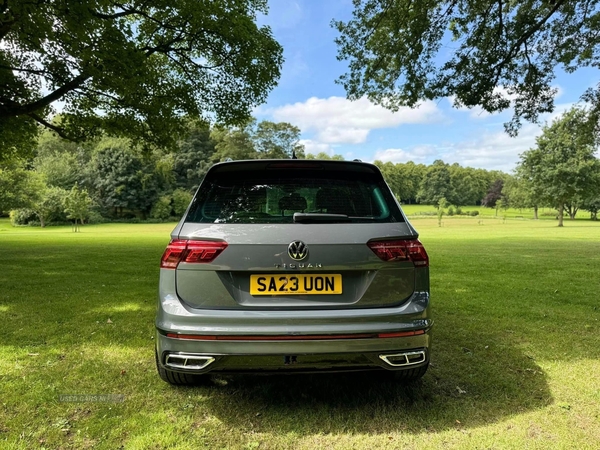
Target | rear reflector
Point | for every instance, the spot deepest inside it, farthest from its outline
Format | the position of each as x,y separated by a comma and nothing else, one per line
187,251
401,250
306,337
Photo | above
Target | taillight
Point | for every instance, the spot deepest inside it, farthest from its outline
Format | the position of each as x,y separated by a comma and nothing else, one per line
180,250
401,250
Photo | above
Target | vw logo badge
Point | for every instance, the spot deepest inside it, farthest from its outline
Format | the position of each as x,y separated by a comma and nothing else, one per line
298,250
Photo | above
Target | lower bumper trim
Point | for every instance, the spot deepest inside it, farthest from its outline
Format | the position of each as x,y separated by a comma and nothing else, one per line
304,337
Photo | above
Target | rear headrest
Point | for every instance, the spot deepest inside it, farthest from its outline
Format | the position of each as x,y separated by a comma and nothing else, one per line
333,201
292,202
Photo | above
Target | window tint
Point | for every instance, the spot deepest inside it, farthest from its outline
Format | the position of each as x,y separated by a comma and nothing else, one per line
267,197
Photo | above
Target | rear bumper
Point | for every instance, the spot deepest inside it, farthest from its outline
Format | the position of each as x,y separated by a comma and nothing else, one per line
296,363
283,332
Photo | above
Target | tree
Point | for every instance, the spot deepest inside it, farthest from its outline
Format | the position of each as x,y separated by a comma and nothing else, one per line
193,156
277,140
256,141
526,192
563,167
49,205
501,204
592,204
441,206
494,194
414,174
19,187
502,53
123,181
325,156
590,200
77,205
469,184
58,160
436,184
518,192
131,68
234,143
181,200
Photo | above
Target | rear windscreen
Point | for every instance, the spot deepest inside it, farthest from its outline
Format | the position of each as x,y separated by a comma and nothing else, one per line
273,196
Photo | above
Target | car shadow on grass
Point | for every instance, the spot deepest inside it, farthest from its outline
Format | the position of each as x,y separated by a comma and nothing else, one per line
463,388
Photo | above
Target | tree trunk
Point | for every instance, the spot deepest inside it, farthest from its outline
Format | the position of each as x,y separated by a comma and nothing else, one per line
572,210
42,224
535,212
561,211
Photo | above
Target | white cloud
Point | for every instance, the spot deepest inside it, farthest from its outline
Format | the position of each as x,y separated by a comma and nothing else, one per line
336,120
495,150
315,147
417,154
492,151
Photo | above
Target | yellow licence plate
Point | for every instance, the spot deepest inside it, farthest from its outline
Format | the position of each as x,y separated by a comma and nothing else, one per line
288,284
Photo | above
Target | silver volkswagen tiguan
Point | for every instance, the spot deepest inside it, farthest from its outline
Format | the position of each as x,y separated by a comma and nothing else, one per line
293,266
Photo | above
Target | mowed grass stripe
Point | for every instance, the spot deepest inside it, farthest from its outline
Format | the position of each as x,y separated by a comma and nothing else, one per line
515,362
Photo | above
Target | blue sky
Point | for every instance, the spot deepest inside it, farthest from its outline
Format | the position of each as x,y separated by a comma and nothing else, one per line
308,97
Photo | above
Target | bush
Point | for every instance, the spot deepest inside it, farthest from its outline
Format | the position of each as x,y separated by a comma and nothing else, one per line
52,206
21,216
458,211
95,217
450,210
474,213
162,208
181,200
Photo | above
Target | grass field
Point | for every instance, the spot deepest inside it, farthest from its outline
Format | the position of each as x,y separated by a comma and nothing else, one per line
420,211
516,357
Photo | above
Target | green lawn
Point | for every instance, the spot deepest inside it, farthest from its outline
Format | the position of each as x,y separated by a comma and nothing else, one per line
516,358
420,211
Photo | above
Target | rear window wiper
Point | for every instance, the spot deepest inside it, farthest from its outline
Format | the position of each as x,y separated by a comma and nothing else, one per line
320,218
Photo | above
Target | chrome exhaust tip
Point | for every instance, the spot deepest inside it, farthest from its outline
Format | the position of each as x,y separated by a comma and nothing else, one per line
188,361
405,359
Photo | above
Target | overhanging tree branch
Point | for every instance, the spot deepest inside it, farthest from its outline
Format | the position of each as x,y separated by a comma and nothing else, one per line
514,49
16,109
51,126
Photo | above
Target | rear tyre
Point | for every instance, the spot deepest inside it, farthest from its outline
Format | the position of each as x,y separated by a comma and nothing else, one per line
410,375
177,378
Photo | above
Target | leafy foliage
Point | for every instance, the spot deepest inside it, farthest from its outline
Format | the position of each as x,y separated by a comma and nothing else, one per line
234,143
181,200
277,140
193,157
19,187
122,180
436,185
325,156
21,216
59,161
50,205
502,53
77,204
494,194
563,167
162,208
132,68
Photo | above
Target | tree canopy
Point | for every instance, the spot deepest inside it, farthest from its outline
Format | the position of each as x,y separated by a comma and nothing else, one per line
563,167
131,68
489,53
